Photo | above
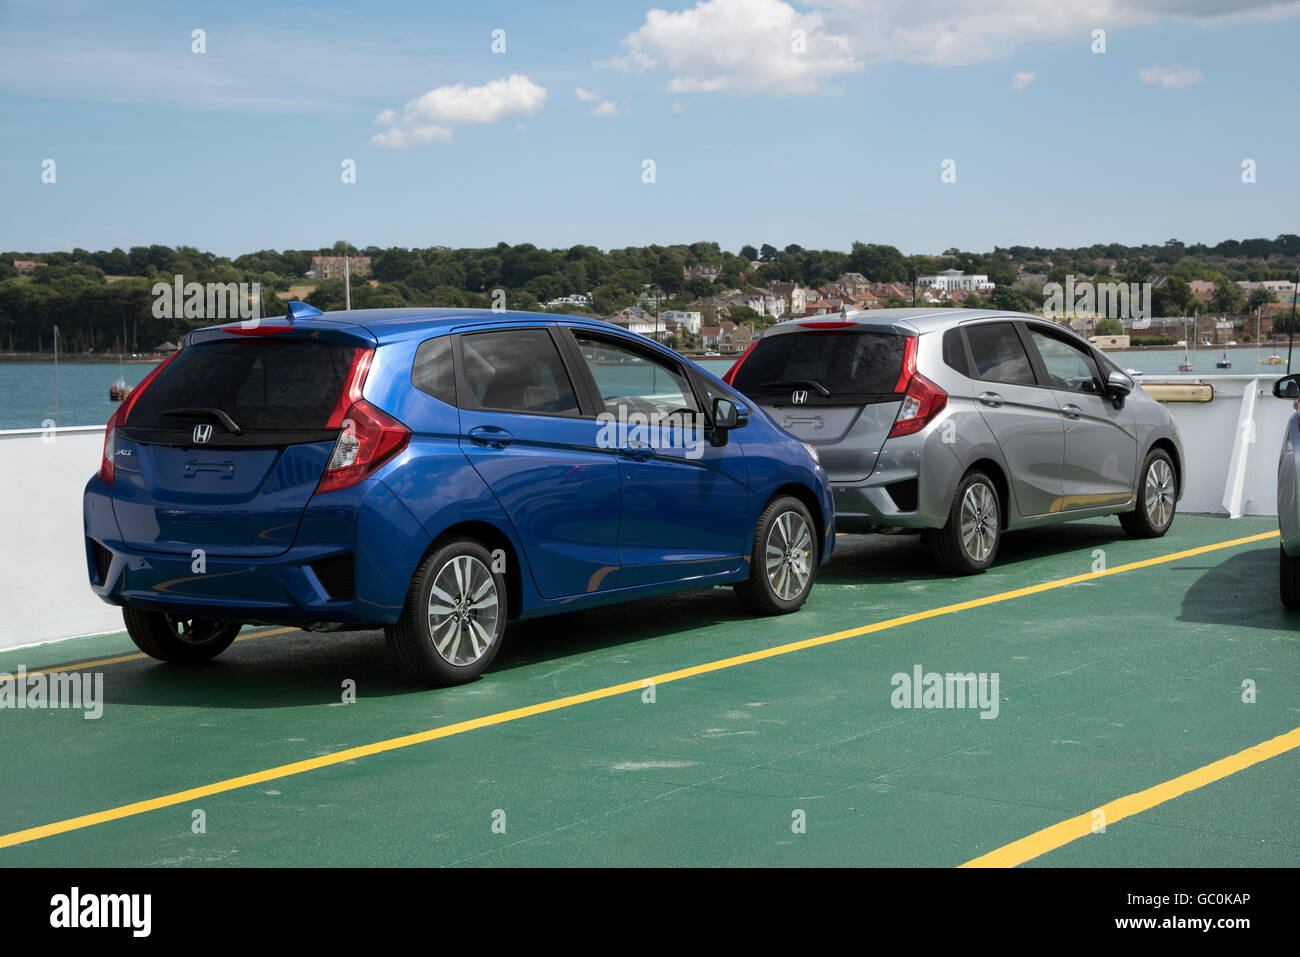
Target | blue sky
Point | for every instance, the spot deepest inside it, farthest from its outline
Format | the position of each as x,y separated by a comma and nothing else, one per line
240,148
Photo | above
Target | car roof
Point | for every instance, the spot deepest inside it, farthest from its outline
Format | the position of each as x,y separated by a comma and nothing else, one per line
389,325
904,319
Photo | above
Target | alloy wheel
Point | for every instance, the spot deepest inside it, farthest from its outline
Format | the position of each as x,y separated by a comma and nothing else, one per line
463,610
979,521
195,631
1159,493
789,564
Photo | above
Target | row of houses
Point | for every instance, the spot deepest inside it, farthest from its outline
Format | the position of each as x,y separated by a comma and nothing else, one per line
724,337
851,290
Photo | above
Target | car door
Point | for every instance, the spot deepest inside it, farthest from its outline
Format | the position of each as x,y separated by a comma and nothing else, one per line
1100,439
685,501
1021,413
523,431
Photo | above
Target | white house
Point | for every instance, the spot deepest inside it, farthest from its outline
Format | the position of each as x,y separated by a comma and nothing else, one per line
642,326
952,279
689,320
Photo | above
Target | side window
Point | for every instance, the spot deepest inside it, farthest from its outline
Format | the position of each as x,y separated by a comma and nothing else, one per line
1069,368
712,392
433,372
954,352
999,355
630,379
516,370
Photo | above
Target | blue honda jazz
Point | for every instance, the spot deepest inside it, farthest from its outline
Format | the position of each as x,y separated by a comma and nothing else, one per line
437,473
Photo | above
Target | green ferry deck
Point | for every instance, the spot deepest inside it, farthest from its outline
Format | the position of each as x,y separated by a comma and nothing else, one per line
1147,715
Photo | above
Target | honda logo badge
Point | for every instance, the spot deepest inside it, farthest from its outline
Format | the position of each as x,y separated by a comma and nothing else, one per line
800,397
202,433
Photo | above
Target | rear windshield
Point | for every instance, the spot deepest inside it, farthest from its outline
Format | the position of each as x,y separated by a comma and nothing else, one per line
849,365
261,384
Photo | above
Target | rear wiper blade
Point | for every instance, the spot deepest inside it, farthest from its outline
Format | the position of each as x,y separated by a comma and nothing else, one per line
218,414
820,389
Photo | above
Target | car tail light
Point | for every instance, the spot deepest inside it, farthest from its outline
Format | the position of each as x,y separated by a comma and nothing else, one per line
368,440
921,403
369,436
257,329
119,418
922,399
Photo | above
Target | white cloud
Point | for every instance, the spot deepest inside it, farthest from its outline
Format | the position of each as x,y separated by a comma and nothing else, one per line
738,46
1170,77
602,107
432,117
1022,79
745,46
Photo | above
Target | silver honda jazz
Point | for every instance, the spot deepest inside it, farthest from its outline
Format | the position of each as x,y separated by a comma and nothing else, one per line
964,424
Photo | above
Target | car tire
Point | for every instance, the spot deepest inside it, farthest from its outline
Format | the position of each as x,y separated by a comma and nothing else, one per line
454,618
1157,498
178,640
968,543
780,584
1289,579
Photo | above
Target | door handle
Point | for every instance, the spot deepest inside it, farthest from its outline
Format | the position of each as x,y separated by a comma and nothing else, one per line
637,453
489,436
1071,411
991,399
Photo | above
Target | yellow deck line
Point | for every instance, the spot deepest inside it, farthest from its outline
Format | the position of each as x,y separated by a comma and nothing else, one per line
101,662
1058,835
406,741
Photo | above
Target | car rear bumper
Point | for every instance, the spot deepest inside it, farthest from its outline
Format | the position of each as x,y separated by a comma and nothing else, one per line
911,486
351,563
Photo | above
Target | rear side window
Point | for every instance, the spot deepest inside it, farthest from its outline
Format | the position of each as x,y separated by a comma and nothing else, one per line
954,352
849,365
433,372
999,355
288,384
516,370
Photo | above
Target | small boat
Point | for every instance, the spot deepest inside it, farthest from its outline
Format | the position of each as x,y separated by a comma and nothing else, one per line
1186,366
118,390
1272,361
1224,363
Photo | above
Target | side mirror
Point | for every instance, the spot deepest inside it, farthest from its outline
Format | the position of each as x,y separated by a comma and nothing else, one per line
1119,384
726,414
1287,387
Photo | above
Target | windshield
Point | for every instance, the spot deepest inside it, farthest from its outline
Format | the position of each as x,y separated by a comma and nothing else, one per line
257,384
832,366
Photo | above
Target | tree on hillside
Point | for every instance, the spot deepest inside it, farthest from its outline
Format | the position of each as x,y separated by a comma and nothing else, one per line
1229,298
1171,298
1259,296
877,263
1014,299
